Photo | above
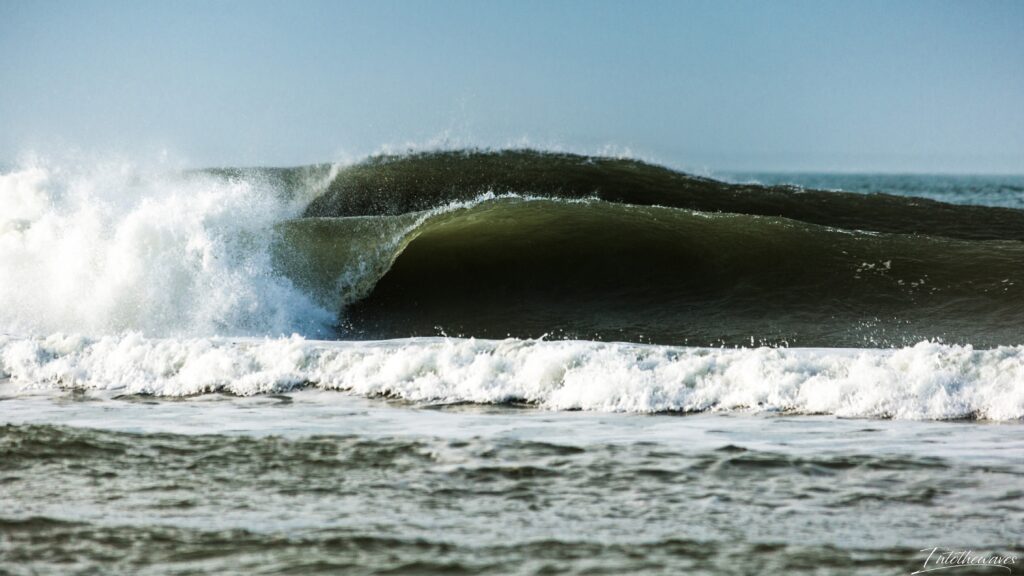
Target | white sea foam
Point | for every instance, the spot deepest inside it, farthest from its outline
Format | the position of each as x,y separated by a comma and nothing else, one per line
926,381
112,248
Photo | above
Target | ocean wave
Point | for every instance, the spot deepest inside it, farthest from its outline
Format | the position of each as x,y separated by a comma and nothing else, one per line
492,244
925,381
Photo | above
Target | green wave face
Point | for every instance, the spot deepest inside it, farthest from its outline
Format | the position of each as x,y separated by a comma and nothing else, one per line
597,269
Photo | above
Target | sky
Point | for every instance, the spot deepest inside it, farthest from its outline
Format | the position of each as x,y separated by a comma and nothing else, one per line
860,86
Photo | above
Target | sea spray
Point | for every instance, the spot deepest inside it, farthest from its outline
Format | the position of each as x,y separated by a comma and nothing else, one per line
110,249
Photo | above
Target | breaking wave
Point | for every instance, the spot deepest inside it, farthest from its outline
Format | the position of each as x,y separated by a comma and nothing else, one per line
564,281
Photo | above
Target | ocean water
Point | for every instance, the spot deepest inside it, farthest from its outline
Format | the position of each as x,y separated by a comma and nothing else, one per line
1000,190
511,362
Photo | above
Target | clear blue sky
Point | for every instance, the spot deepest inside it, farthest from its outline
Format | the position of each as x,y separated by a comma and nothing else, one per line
817,85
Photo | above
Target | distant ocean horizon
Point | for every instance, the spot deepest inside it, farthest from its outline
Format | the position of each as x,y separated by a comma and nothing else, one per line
958,188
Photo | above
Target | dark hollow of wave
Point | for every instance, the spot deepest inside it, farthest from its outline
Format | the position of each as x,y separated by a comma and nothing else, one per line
655,255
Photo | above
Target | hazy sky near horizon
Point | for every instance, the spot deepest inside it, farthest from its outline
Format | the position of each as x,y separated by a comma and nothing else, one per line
909,86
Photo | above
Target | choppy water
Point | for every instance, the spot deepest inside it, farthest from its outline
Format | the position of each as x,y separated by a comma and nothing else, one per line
314,483
516,362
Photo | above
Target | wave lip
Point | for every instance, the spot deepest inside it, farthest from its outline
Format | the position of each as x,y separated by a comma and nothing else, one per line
392,185
925,381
